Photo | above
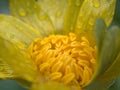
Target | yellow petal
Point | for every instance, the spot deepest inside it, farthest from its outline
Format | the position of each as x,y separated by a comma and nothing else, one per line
30,12
17,31
5,70
81,19
89,12
16,63
56,11
71,15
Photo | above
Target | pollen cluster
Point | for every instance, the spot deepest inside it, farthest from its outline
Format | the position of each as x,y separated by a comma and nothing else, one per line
64,59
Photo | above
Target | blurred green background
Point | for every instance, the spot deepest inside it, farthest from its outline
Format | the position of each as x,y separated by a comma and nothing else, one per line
13,85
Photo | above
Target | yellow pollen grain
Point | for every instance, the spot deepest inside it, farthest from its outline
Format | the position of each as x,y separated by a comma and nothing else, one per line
68,78
56,67
44,67
55,75
64,59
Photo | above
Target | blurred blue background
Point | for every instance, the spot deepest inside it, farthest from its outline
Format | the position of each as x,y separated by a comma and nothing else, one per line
4,6
13,85
10,85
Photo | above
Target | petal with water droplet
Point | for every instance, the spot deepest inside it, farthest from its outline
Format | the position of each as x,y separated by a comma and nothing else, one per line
31,12
56,10
71,15
15,62
16,31
89,12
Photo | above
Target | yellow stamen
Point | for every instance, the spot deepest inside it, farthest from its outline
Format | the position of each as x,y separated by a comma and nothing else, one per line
64,59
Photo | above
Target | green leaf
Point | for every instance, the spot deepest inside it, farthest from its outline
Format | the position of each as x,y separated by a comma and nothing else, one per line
56,11
100,32
99,85
18,63
31,12
109,58
116,19
116,85
16,31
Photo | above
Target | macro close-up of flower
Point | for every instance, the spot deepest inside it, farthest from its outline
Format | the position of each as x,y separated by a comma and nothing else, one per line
61,44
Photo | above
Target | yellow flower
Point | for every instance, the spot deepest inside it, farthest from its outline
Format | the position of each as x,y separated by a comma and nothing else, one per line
53,46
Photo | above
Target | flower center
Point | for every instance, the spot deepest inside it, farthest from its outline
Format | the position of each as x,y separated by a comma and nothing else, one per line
64,59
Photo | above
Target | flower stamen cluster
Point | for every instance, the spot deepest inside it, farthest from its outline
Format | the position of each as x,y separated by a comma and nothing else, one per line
63,59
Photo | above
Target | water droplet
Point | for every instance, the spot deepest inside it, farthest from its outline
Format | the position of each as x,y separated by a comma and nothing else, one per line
58,14
8,45
91,23
112,14
35,7
42,17
12,36
78,2
71,28
69,2
28,3
51,4
79,25
18,27
96,4
80,14
22,12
